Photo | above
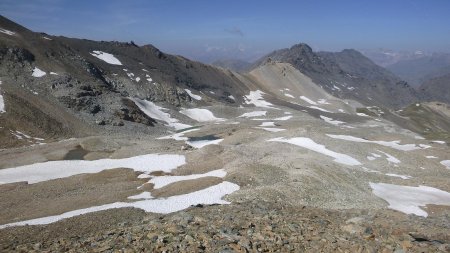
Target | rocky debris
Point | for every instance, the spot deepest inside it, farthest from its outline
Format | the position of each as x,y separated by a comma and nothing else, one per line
246,227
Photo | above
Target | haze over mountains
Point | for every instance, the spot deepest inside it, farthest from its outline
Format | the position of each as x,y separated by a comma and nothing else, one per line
108,145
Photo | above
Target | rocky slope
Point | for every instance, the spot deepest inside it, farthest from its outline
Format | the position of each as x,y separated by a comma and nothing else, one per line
66,84
437,89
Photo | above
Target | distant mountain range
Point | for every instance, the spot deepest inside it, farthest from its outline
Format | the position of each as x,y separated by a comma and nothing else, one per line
416,68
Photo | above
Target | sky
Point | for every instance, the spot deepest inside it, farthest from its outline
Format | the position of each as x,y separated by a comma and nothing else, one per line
211,29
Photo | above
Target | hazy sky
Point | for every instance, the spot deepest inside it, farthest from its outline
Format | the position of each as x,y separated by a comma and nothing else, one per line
207,29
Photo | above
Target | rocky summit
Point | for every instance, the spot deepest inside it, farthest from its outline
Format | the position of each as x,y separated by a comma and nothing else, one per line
109,146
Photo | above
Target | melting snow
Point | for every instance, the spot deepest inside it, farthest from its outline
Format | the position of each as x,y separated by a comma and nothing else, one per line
208,196
253,114
54,73
202,143
162,181
47,38
331,121
200,115
108,58
8,32
39,172
38,73
431,157
309,101
155,112
391,144
192,95
362,114
409,199
255,97
310,144
138,79
439,142
231,97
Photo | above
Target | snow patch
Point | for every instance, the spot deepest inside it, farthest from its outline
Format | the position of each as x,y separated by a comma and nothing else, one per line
200,115
8,32
2,101
439,142
391,144
446,163
45,171
284,118
409,199
309,101
255,98
400,176
38,73
288,95
331,121
192,95
108,58
267,124
253,114
143,195
202,143
318,108
431,157
162,181
208,196
311,145
155,112
271,129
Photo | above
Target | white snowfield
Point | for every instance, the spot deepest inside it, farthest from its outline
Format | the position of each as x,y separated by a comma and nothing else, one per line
311,145
38,73
391,144
8,32
192,95
156,112
108,58
2,102
446,163
45,171
255,98
203,143
253,114
200,115
332,121
409,199
162,181
207,196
